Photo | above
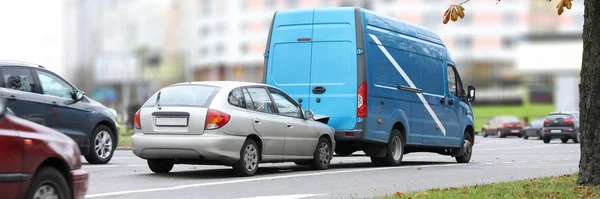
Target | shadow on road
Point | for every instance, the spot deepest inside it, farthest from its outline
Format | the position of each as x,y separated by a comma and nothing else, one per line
267,170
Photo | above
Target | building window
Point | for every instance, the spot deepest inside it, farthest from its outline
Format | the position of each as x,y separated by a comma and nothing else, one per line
292,3
510,18
508,42
464,42
220,49
270,4
206,7
244,48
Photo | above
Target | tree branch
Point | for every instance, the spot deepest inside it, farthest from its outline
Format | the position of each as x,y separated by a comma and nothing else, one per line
464,2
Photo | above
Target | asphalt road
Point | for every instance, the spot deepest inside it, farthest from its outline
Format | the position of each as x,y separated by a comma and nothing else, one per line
494,159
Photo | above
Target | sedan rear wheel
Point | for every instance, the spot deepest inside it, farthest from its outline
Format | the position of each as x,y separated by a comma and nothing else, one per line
247,165
160,165
564,140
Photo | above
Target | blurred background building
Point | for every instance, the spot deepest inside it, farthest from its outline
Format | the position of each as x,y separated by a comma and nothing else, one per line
121,51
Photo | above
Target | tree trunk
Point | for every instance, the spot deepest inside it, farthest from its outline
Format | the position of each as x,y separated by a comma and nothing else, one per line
589,91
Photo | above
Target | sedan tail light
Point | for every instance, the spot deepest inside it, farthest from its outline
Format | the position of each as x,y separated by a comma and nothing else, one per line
546,121
136,120
215,119
569,121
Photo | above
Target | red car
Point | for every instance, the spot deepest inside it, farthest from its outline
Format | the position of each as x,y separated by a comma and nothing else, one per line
38,162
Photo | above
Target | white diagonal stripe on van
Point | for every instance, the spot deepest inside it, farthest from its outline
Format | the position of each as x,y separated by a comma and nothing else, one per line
410,83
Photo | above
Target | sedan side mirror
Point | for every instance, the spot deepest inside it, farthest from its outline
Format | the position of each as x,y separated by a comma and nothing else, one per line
77,95
471,94
308,114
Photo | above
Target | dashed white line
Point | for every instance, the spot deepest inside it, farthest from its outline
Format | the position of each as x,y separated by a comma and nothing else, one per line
263,178
286,196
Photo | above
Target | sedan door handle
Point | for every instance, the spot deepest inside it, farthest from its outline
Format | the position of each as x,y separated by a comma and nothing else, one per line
257,121
289,125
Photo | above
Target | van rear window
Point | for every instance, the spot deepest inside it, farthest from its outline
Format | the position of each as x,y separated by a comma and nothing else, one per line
183,95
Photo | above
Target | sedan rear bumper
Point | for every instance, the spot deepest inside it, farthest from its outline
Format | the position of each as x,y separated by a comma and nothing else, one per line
80,183
206,147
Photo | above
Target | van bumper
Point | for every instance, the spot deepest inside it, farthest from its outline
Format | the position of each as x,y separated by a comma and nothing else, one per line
356,134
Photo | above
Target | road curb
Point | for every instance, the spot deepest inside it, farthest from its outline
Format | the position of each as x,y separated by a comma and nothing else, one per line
123,148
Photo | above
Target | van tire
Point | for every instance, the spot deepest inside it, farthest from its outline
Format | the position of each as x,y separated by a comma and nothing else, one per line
393,156
466,149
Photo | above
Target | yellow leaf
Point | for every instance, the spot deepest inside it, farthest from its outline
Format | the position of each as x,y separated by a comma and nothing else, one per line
454,13
400,194
419,168
560,10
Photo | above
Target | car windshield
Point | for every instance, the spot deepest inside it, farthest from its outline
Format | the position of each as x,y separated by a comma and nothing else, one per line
509,119
559,117
183,95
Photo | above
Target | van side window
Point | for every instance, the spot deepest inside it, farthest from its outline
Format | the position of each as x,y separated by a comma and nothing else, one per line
236,98
452,81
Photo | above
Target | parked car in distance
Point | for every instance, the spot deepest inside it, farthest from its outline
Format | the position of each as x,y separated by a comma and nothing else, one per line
503,126
390,87
534,129
563,125
38,95
37,161
230,123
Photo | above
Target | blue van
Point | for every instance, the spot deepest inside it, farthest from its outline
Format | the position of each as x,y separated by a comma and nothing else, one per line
389,87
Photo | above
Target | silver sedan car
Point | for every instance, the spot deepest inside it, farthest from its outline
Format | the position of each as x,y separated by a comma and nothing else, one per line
238,124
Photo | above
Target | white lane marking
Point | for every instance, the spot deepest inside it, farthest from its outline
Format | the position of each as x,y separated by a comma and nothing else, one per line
266,178
100,166
410,83
286,196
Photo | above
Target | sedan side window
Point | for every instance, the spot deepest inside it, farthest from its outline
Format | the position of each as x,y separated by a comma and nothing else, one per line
261,101
236,98
18,79
52,85
285,105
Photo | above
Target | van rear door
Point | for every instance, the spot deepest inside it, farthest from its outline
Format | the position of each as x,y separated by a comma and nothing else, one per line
320,72
290,52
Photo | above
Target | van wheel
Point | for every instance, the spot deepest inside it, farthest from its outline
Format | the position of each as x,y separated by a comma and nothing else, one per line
394,151
322,156
467,149
102,143
564,140
247,165
48,182
525,137
160,165
576,138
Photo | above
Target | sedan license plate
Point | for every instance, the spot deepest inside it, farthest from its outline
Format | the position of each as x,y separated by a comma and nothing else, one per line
171,121
514,131
555,131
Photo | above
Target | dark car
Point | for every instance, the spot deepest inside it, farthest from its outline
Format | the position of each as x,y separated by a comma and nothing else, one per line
37,161
534,129
563,125
503,126
40,96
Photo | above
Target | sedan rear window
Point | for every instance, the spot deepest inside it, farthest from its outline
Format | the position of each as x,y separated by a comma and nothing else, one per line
559,117
183,95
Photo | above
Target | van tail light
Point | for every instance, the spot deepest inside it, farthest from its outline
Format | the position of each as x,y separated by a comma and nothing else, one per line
215,119
136,120
361,110
569,121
